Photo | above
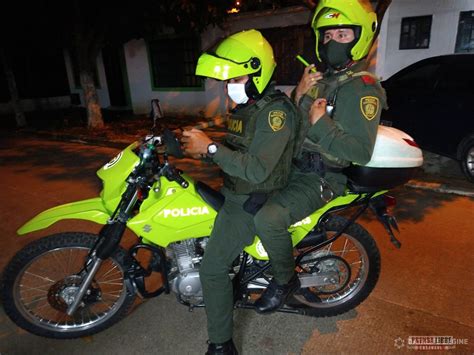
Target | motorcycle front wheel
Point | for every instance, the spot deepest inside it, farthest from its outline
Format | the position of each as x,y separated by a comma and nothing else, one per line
42,279
352,263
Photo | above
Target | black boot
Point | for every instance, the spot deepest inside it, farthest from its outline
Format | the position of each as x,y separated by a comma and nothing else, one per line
276,295
227,348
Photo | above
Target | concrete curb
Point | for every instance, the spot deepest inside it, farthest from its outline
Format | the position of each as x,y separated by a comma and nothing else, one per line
439,187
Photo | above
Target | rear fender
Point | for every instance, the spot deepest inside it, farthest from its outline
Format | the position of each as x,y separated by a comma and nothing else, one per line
300,229
91,210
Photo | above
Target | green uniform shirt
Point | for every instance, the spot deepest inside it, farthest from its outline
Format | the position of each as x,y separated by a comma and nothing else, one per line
349,135
274,131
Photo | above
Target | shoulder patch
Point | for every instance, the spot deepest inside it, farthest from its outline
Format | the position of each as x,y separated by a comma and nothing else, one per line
369,106
276,120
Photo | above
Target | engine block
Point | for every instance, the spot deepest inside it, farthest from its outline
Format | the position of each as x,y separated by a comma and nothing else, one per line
187,256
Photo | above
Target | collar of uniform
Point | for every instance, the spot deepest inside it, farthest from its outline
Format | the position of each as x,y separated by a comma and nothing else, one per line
346,73
270,89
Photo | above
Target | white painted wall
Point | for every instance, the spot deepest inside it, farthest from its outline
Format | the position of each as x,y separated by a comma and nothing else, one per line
211,102
444,30
172,102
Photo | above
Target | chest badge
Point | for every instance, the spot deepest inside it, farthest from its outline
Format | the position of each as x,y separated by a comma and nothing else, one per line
369,106
276,120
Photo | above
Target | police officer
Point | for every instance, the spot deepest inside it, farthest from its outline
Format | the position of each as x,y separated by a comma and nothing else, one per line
255,158
341,109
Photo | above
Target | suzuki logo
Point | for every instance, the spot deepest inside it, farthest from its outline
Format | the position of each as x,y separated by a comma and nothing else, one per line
184,212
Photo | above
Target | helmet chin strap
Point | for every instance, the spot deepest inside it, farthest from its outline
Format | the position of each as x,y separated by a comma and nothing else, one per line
345,66
251,89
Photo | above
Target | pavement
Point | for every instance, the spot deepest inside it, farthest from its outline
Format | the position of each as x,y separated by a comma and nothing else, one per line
425,288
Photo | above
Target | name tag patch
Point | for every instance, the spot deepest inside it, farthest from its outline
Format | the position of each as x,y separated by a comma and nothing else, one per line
235,126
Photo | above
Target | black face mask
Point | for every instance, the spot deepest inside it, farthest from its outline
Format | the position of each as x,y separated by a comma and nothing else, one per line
336,55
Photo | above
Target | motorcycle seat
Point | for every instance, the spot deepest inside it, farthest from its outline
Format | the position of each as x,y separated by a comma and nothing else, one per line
214,198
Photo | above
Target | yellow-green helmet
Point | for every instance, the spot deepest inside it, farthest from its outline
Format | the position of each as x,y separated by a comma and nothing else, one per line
243,53
346,13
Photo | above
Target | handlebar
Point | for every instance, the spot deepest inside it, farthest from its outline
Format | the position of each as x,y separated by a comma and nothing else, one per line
173,147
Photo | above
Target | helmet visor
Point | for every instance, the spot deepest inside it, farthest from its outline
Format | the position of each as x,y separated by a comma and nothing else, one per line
219,68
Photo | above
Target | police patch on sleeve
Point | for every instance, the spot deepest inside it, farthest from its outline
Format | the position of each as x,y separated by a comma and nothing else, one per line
369,106
276,120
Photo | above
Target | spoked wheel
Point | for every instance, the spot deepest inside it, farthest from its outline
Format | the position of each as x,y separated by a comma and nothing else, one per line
351,265
42,280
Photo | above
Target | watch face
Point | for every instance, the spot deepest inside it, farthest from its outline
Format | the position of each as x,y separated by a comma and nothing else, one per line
212,148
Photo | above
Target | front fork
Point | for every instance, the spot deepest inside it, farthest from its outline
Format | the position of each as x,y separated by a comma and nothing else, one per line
109,239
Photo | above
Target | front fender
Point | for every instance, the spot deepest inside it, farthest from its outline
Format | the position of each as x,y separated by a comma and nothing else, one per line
91,210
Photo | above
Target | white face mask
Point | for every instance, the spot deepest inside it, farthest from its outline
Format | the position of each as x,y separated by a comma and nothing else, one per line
237,93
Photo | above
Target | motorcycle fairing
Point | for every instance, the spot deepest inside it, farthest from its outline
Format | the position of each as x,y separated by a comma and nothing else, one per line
92,210
99,209
114,176
173,213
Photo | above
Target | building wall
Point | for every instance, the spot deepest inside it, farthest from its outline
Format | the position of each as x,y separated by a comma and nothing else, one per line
444,30
209,102
172,102
385,58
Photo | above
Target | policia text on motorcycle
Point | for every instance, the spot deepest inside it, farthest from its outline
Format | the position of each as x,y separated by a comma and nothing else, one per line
255,158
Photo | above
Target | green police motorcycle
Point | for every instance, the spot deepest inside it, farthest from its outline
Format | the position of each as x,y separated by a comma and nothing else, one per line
75,284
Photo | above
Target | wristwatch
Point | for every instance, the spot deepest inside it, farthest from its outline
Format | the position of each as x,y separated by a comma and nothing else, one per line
211,149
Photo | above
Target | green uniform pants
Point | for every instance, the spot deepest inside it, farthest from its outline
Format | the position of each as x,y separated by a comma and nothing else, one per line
297,200
233,230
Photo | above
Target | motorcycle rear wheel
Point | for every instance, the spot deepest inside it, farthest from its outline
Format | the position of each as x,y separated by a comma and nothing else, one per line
42,278
354,256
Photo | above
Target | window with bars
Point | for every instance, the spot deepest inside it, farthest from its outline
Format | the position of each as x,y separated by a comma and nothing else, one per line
465,37
416,32
173,62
